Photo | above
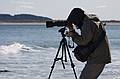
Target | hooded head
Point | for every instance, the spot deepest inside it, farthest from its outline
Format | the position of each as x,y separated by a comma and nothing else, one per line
76,16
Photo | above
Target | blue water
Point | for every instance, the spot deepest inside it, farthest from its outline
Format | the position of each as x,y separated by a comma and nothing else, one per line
31,35
28,53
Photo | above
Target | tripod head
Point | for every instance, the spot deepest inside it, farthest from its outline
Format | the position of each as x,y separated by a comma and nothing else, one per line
62,31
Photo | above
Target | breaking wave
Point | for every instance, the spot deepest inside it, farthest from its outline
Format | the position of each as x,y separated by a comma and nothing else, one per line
18,47
12,48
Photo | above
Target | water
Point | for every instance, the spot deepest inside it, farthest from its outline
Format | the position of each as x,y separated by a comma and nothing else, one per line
28,53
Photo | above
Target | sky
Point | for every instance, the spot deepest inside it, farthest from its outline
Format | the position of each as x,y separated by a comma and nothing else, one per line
60,9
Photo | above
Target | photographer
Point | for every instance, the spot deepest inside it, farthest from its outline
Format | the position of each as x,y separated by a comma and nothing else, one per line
89,32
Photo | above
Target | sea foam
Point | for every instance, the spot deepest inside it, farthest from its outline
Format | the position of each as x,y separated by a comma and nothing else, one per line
12,48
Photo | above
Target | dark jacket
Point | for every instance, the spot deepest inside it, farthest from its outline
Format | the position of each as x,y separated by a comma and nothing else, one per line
89,31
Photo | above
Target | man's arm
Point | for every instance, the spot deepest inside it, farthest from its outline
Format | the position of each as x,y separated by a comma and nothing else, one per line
86,33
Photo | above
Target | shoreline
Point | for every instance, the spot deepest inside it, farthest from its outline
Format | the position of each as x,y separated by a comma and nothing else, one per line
32,23
112,24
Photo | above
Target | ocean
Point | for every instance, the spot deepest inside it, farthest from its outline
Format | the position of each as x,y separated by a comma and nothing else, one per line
28,52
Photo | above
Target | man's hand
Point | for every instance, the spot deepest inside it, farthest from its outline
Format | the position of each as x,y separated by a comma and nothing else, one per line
70,26
71,33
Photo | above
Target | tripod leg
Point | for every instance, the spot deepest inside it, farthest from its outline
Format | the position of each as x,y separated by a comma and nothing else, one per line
56,59
63,51
64,48
72,64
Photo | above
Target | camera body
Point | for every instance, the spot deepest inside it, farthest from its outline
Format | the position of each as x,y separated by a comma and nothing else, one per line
58,23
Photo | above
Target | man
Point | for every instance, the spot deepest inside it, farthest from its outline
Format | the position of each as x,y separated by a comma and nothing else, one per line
89,32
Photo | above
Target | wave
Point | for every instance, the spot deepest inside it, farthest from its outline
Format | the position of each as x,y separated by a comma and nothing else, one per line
12,48
18,48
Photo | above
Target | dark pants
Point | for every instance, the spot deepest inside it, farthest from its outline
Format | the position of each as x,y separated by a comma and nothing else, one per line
92,71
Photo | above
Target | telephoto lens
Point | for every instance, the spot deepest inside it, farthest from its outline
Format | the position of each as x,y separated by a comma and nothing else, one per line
58,23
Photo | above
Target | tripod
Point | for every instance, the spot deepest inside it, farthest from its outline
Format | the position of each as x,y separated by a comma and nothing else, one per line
63,44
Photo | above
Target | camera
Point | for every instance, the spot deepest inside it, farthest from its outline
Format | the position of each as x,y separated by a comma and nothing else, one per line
58,23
